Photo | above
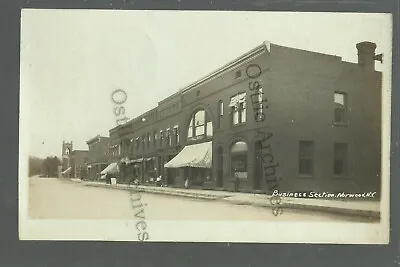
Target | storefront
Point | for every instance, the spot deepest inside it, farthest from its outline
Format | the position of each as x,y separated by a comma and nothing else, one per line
195,163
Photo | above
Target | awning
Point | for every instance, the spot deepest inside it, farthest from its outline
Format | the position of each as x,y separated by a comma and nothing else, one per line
112,168
135,161
67,170
198,156
125,160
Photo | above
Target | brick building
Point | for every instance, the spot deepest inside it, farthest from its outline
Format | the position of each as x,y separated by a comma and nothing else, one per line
98,156
274,118
74,162
66,150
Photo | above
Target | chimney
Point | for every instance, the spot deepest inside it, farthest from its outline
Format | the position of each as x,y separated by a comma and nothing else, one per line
366,55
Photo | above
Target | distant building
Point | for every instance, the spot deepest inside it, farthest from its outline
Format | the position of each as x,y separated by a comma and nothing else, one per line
66,151
74,162
274,118
98,156
78,163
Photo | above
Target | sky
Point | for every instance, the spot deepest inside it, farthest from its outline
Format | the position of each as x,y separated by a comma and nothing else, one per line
72,60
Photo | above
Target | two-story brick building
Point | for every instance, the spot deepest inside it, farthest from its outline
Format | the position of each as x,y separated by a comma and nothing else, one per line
98,156
274,118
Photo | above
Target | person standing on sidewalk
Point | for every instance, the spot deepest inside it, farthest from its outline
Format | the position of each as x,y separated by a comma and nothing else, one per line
237,182
159,180
187,183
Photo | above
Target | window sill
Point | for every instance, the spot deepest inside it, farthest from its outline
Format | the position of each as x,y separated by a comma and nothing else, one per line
239,124
306,176
340,124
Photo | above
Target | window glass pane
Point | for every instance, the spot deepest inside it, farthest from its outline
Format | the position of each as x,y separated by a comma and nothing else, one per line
239,165
199,130
339,99
243,114
221,108
200,118
339,115
235,116
190,132
239,147
209,128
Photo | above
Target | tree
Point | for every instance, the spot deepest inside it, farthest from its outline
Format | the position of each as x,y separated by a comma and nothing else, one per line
50,166
35,166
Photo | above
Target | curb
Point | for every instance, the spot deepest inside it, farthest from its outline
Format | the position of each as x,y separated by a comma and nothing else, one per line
369,214
225,198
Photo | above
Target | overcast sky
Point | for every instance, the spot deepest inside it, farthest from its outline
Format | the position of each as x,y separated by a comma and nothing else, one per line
72,60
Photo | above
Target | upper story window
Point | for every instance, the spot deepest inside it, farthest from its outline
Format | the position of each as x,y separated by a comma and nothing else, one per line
161,138
137,143
259,105
176,135
200,125
169,139
238,108
220,113
143,142
340,107
148,140
155,138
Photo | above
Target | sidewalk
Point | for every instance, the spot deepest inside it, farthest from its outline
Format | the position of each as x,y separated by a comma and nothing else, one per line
370,209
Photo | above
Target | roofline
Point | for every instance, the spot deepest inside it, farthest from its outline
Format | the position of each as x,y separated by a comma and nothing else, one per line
79,150
91,140
96,138
177,94
265,46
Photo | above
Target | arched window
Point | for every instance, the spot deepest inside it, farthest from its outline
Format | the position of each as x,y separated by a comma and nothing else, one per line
200,126
239,160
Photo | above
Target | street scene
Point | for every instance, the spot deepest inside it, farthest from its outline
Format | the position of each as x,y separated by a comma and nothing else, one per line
53,198
158,123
